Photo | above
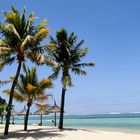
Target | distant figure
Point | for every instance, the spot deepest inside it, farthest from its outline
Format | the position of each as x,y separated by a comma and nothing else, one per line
40,124
1,119
53,121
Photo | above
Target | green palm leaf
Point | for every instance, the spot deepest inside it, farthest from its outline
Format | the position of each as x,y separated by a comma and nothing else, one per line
17,96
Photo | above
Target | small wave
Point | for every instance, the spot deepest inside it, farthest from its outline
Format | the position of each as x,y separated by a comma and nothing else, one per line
47,120
114,113
34,124
134,112
21,118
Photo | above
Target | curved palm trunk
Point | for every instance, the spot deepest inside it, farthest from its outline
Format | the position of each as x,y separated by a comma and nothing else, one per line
62,108
9,107
26,117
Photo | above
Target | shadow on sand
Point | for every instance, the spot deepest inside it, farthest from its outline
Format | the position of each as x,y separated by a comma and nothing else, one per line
33,133
38,133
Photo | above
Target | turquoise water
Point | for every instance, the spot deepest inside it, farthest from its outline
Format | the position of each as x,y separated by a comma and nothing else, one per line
127,122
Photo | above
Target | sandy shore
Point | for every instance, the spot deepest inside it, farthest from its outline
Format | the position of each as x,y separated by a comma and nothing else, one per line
51,133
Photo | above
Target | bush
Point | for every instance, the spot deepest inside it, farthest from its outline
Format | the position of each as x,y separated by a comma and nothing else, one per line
2,105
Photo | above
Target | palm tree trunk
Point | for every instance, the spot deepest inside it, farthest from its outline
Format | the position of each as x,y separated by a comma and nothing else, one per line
41,119
13,121
27,116
55,119
62,108
9,107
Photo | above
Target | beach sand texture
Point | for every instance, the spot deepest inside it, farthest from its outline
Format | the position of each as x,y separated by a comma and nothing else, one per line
52,133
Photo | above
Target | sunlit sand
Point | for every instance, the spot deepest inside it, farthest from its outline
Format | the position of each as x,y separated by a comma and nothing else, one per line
51,133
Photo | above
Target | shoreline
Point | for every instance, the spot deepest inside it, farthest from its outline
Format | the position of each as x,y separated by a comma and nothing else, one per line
47,132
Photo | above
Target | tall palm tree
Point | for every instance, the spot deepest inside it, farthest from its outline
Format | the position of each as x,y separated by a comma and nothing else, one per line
30,90
20,41
68,56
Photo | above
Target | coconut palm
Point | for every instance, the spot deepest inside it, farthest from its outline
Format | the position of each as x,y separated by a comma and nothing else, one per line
68,56
30,90
20,41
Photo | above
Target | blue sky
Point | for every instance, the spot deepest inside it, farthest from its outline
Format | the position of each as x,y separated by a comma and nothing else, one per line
111,29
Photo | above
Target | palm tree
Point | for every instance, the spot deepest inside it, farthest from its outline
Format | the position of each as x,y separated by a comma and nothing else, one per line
68,56
20,41
30,90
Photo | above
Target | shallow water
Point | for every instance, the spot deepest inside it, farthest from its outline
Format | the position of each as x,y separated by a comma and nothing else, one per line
119,122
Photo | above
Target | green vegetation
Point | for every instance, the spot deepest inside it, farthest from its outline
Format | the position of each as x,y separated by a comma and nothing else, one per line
2,105
68,56
30,90
2,108
20,42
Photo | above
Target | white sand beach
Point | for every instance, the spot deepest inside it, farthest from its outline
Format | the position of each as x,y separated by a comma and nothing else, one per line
51,133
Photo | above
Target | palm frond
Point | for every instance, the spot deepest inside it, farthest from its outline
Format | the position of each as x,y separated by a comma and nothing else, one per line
14,10
84,65
56,71
30,88
78,71
21,89
79,44
5,52
36,57
61,35
3,82
29,40
11,30
29,28
45,83
3,43
41,97
41,34
83,52
6,61
41,106
17,96
50,61
50,47
72,38
41,25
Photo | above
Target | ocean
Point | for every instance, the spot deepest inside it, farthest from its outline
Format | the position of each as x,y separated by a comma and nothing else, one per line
112,122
